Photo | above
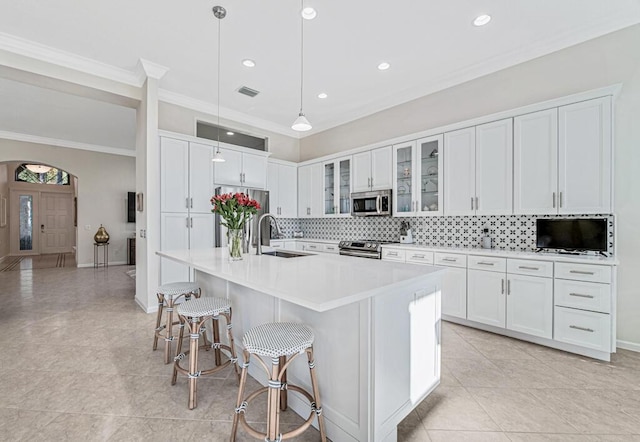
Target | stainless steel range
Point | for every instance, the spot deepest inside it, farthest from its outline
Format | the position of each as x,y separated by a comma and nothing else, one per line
365,248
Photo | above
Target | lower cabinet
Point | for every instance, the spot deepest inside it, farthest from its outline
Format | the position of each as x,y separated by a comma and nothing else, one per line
486,297
454,292
530,305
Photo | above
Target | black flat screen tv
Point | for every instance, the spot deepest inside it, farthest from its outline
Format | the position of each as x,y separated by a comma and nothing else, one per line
584,234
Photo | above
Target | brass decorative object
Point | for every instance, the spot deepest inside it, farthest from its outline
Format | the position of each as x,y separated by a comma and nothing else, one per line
101,236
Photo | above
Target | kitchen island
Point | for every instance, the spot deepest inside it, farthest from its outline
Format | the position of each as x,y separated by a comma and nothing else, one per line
376,326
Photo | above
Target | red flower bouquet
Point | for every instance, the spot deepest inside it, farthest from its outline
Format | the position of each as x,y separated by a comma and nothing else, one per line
235,209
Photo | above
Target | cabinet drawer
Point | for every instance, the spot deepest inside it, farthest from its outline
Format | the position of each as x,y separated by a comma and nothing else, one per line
583,272
393,254
330,248
490,264
313,247
530,267
417,257
450,259
583,295
586,329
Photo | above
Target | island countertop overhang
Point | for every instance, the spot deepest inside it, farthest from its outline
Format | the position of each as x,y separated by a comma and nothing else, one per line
318,282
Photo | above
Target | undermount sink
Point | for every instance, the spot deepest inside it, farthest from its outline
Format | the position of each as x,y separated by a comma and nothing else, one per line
285,254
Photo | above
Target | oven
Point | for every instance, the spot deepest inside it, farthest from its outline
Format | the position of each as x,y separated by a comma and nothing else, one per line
361,249
375,203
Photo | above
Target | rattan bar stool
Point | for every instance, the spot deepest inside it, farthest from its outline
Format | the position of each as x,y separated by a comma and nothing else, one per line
282,342
168,296
194,314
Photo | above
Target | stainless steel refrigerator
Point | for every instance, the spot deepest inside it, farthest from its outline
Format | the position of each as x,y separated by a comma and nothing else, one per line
251,228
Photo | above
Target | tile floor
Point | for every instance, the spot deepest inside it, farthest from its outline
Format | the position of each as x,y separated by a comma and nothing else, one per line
77,365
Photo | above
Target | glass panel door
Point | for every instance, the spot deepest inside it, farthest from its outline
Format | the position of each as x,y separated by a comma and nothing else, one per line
345,186
329,183
25,222
404,174
430,174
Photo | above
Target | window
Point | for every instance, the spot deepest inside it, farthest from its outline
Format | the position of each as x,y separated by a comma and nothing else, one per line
229,136
49,175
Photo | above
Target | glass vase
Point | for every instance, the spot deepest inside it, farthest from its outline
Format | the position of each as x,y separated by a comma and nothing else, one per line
234,242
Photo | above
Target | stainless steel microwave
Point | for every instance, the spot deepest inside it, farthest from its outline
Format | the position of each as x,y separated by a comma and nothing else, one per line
375,203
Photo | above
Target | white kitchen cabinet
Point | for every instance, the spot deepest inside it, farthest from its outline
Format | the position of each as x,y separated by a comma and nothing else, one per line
174,175
282,184
530,305
417,174
479,170
486,297
337,187
201,187
454,292
584,157
372,170
241,169
535,163
310,181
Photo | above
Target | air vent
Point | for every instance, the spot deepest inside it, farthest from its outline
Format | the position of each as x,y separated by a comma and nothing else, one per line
248,91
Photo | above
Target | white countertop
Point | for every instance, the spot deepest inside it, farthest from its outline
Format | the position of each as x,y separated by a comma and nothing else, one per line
319,282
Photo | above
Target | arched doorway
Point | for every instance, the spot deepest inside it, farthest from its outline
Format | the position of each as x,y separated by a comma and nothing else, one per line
41,210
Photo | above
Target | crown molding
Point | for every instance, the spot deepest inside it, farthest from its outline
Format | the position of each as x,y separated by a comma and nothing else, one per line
229,114
149,69
15,136
48,54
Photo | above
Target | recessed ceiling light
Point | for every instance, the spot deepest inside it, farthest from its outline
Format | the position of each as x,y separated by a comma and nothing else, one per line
384,66
322,95
248,63
309,13
482,20
230,133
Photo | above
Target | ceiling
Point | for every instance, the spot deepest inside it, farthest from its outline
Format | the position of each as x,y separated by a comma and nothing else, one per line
430,45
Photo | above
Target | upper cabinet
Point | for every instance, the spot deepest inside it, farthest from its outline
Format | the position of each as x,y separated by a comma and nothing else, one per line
337,187
282,184
372,170
479,170
241,169
310,180
562,160
417,174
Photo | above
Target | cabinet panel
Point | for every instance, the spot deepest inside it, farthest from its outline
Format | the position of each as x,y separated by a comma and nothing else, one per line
404,169
273,186
450,259
174,235
343,186
362,171
454,292
486,297
174,175
530,267
494,168
393,254
530,305
419,257
460,172
200,177
586,329
329,188
316,190
229,172
583,272
583,295
585,157
201,228
487,263
381,168
429,182
304,191
254,168
287,191
535,163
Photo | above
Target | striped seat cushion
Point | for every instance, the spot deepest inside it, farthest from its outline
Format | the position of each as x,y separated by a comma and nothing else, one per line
205,306
278,339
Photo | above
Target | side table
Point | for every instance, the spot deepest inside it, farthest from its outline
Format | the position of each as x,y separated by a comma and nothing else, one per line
96,254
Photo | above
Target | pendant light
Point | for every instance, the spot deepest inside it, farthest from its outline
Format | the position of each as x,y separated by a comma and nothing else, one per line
301,124
219,12
38,168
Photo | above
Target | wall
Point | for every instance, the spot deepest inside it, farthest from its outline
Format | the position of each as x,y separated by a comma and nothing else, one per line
4,192
182,120
103,183
613,58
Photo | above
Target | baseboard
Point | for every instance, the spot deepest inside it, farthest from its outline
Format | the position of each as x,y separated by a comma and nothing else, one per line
151,309
114,263
626,345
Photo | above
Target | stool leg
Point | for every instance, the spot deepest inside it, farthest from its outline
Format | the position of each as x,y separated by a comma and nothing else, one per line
316,393
178,350
168,329
240,401
273,399
193,361
231,344
158,320
283,393
216,339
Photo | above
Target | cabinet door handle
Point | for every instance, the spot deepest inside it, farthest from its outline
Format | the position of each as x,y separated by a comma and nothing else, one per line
508,287
580,272
471,203
590,330
485,263
392,253
191,223
372,182
191,202
553,198
580,295
418,256
476,203
186,202
560,199
450,259
502,287
187,222
528,268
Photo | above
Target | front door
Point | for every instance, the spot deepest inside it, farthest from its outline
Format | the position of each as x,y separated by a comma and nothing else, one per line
56,222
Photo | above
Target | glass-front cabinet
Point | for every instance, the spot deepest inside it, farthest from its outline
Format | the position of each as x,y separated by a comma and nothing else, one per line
417,177
337,187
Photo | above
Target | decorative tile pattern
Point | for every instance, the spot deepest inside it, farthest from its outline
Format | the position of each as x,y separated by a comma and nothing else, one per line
508,232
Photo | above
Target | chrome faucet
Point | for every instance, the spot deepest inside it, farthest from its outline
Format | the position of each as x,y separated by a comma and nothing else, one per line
259,239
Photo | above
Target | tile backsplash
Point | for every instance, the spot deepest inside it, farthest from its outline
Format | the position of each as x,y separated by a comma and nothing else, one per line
508,232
